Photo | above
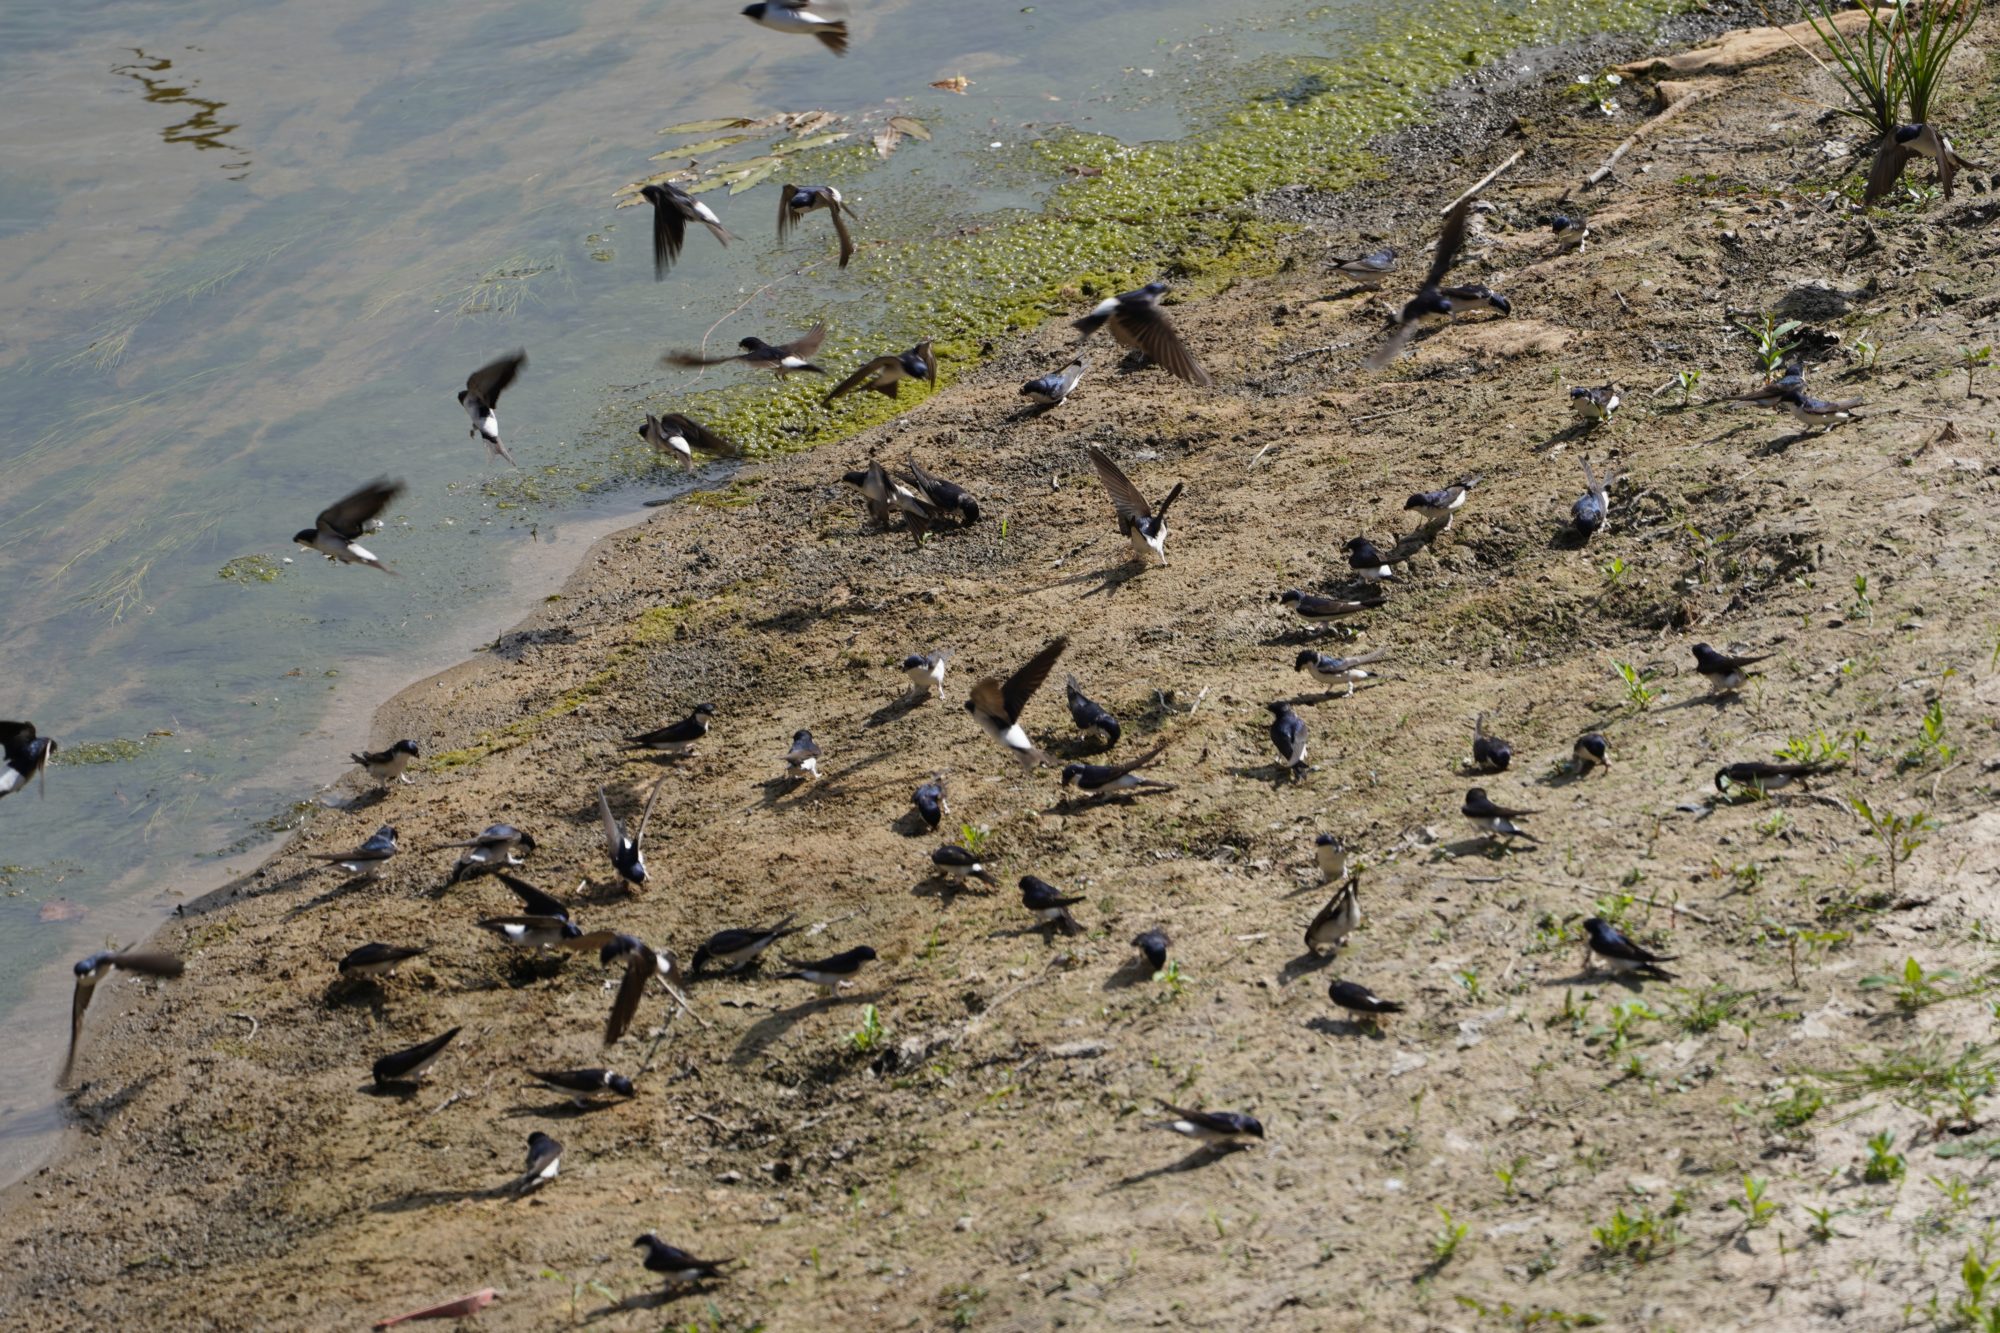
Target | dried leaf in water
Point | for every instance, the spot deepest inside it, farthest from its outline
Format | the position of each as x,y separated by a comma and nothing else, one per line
708,126
886,140
957,83
705,146
911,126
808,121
800,145
757,177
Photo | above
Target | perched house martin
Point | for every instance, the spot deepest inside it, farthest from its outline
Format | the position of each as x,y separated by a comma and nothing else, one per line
830,974
584,1085
1330,851
957,863
1570,232
535,901
1138,521
25,755
481,400
885,374
930,802
341,525
1051,389
1772,394
796,16
366,859
1595,405
681,436
1590,751
544,1162
925,672
627,851
94,969
1611,947
1137,322
1429,305
802,760
1091,718
540,933
1049,905
1764,776
1368,271
1337,920
1152,946
1587,515
386,766
1365,561
1288,737
673,209
1822,412
677,739
996,705
1323,610
378,960
1907,142
498,846
783,359
737,950
888,496
796,203
1437,507
1471,300
1723,672
642,965
1490,754
944,496
1211,1129
1108,780
1356,998
1498,820
1337,670
408,1065
680,1268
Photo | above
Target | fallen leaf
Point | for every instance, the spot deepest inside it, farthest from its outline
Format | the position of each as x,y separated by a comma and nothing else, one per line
705,146
708,126
887,139
800,145
756,177
808,121
911,126
957,83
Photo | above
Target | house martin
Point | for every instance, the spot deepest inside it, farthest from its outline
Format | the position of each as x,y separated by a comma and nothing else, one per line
1368,271
888,496
1152,946
1490,754
1330,852
830,974
1475,298
1356,998
341,525
1437,507
544,1162
1337,670
1587,515
1824,413
737,950
1049,905
795,203
1616,951
1365,562
1764,776
1429,305
481,400
386,766
802,760
378,960
25,755
930,802
996,705
1723,672
1092,718
925,672
1288,737
680,436
959,864
540,933
678,738
1337,920
680,1268
98,966
1773,393
1323,610
1106,780
1910,141
885,374
1211,1129
498,846
944,496
1498,820
783,359
1590,752
408,1065
673,209
584,1085
1052,388
1139,523
1137,322
1595,405
796,16
643,964
1570,232
366,859
627,851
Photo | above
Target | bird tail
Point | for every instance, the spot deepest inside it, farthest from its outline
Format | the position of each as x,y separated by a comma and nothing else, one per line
1090,324
834,36
1068,923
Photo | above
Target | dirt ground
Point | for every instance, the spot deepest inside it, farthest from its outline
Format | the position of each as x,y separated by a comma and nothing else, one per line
1531,1145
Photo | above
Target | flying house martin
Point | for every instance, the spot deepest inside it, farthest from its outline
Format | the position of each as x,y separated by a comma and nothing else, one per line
930,802
1052,388
1429,305
680,436
1910,141
1211,1129
366,859
680,1268
1475,298
996,705
1337,670
802,760
1337,920
1138,521
1764,776
1611,947
1570,232
830,974
378,960
957,863
481,400
795,203
1137,322
1368,271
1323,610
792,358
498,846
1091,718
1437,507
1587,515
25,755
643,964
544,1161
1152,946
1772,394
627,851
1106,780
737,950
341,525
673,209
944,496
796,16
584,1084
1049,905
888,496
1497,820
885,374
1356,998
1365,561
386,766
1330,851
925,672
534,900
1590,751
90,971
1595,405
1490,754
1288,737
1821,412
408,1065
677,738
1723,672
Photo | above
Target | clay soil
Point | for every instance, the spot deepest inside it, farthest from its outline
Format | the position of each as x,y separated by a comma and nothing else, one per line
986,1161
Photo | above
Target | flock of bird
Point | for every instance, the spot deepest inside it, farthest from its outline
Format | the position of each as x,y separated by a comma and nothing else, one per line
1137,321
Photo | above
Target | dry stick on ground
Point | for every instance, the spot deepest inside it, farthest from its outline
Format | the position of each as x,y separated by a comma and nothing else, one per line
1482,182
1690,100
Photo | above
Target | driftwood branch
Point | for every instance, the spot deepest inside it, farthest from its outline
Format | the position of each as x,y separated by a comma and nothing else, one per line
1690,100
1484,181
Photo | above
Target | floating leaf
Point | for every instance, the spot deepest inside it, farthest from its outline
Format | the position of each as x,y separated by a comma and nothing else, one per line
808,121
957,83
887,139
708,126
800,145
757,177
705,146
911,126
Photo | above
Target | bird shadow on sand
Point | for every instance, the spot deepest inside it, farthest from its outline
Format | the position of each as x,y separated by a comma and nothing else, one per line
560,1107
1586,976
1348,1027
1309,699
1132,972
1313,636
421,1199
912,824
1305,965
895,710
353,992
1193,1161
1487,849
1577,430
364,801
643,1300
1273,773
1561,776
769,1029
1108,579
947,889
102,1112
334,894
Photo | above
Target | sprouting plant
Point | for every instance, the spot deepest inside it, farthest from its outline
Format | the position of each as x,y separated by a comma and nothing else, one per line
1754,1206
1818,748
1508,1173
1930,739
1468,981
1971,359
1821,1226
1710,1007
868,1036
1914,988
1638,691
1803,1104
1636,1237
1924,40
1884,1166
1444,1244
1772,349
1773,824
1170,977
1865,352
1748,877
1003,530
1899,834
1863,604
1625,1019
1614,570
1978,1274
974,838
1687,379
578,1286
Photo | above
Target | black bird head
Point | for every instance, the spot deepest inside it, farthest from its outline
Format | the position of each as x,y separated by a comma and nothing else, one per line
968,507
706,710
304,536
1305,659
1071,772
1290,597
405,747
1278,710
619,1084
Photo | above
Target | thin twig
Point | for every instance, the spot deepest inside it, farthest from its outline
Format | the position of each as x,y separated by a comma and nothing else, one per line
1483,181
251,1021
1690,100
703,349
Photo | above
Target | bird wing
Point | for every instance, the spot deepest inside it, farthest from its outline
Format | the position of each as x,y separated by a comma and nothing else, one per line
492,379
532,898
1448,243
348,515
1886,170
149,962
1124,769
1152,331
1160,510
669,231
924,353
639,837
690,360
924,481
1392,347
785,219
863,377
613,834
696,434
840,230
639,969
1021,686
79,1002
806,343
989,697
1125,497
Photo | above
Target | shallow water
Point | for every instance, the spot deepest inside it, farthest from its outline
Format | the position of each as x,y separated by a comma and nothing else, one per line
249,253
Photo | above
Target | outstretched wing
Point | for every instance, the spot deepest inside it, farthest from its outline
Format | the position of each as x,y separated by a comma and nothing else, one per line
1125,497
533,899
347,516
1152,331
1449,240
612,833
492,379
639,837
863,377
1021,686
696,434
839,213
806,343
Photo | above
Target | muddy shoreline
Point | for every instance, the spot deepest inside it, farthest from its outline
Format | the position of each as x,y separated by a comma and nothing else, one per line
981,1163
